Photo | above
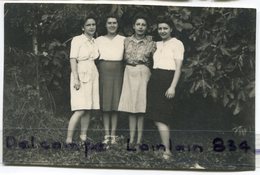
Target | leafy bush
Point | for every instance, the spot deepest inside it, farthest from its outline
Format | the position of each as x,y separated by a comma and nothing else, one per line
223,62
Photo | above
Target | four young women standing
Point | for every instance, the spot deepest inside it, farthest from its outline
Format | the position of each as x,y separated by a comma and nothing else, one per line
126,93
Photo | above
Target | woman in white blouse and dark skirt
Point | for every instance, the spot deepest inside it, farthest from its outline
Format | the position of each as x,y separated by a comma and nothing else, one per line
165,76
111,48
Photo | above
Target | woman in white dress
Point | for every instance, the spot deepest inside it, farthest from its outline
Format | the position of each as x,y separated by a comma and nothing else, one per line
84,85
111,48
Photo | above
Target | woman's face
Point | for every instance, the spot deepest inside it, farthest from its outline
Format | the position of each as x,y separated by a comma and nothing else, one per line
140,26
164,30
111,25
90,27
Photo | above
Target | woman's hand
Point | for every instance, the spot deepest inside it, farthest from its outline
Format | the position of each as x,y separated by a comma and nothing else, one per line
76,84
170,93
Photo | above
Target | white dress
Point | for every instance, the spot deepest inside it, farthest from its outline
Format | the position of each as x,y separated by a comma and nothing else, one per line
85,52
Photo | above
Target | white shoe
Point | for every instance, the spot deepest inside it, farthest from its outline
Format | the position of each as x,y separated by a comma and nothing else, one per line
197,166
167,155
114,139
83,137
106,139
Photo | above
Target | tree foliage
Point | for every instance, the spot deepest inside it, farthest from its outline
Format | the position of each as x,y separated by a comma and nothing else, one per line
219,45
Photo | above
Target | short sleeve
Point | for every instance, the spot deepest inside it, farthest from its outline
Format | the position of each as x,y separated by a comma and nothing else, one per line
178,50
126,42
126,48
154,47
98,40
74,48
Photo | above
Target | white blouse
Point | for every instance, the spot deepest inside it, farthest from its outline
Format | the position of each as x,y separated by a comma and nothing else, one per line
166,54
111,49
83,48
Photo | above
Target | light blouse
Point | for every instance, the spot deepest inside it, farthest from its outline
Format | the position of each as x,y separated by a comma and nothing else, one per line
139,51
166,54
85,51
83,48
111,49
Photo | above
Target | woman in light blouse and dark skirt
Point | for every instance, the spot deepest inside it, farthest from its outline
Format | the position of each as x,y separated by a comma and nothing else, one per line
165,76
138,56
111,49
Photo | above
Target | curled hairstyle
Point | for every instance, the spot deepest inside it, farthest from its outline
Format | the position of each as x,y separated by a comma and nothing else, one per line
102,30
111,16
141,16
87,18
166,20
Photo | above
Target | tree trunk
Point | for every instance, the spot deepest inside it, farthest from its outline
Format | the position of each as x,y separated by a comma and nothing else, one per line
35,43
35,51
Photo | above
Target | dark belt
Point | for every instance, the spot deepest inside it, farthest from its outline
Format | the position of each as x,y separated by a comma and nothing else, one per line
133,64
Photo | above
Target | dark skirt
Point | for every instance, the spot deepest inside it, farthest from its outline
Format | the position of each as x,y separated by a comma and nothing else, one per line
110,84
159,108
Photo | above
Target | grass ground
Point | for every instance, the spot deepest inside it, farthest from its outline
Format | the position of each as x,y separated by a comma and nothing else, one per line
29,147
198,121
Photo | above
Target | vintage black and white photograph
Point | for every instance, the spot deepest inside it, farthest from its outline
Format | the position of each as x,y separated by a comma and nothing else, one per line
128,86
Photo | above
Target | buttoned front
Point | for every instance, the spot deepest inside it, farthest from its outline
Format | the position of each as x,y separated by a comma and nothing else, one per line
138,55
139,51
83,48
85,51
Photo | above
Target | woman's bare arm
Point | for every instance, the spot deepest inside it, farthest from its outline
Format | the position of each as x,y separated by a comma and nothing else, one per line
170,93
74,70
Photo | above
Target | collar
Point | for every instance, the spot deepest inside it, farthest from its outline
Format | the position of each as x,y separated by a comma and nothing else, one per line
112,38
144,40
86,38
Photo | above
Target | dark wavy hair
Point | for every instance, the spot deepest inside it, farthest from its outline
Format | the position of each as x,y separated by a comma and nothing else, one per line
141,15
166,20
111,16
83,21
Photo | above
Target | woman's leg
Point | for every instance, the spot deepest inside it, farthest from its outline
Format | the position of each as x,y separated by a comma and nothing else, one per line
85,120
113,123
140,124
164,131
113,127
106,127
132,127
72,124
106,122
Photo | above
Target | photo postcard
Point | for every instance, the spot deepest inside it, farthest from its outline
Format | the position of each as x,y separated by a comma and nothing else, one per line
128,86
